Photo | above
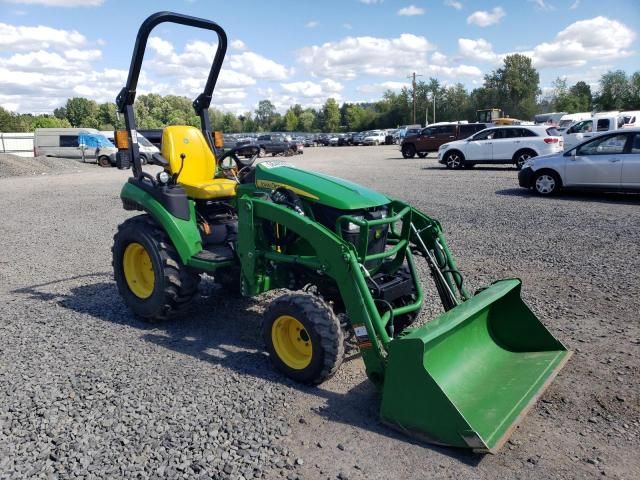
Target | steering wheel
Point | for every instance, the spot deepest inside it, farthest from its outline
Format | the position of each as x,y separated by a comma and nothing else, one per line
240,164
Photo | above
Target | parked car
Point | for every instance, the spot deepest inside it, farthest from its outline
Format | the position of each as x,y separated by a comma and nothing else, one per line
610,161
599,123
309,141
273,143
85,143
358,138
344,139
430,138
513,144
323,139
333,140
374,137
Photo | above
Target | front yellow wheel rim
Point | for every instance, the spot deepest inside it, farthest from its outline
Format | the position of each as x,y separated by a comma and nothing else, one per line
138,270
291,342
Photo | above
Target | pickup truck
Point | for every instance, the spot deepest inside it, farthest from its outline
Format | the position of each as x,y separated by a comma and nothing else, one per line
274,144
430,138
600,123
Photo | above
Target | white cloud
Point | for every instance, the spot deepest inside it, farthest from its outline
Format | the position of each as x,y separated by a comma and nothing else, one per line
371,2
354,56
259,66
312,24
478,49
574,5
411,11
23,38
543,5
326,88
598,38
382,87
595,39
238,45
453,4
482,18
438,58
60,3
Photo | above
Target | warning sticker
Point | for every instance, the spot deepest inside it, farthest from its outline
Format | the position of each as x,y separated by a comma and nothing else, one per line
362,336
275,164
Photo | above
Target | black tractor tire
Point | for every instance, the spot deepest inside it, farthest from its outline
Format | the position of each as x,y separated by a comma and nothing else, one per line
408,150
454,160
174,285
521,156
321,329
104,161
423,154
547,183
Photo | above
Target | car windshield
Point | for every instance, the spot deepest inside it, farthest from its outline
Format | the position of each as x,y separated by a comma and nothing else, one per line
144,142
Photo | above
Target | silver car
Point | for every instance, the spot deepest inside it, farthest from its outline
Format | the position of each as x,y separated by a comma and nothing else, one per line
610,161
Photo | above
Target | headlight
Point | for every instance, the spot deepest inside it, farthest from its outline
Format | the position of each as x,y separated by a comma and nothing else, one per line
352,227
163,177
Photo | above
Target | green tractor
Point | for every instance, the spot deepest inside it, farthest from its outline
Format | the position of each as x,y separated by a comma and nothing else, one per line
347,254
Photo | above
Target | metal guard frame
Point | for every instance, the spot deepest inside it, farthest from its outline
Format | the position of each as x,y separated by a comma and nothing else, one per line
127,95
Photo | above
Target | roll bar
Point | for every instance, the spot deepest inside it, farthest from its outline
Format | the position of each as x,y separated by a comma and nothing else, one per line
127,95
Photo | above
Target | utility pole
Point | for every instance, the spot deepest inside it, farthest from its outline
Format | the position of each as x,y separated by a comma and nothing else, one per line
434,107
414,94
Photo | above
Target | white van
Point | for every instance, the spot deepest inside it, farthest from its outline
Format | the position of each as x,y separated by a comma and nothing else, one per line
145,147
68,143
599,123
570,118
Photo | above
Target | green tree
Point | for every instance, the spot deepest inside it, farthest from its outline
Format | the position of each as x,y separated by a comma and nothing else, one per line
331,115
354,117
290,120
306,120
46,121
8,121
108,117
582,91
615,91
265,114
516,85
82,112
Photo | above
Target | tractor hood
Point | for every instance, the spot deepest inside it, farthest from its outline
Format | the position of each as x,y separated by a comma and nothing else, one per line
317,187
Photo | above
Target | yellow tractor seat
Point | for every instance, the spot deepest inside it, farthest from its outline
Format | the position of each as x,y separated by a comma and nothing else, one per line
185,147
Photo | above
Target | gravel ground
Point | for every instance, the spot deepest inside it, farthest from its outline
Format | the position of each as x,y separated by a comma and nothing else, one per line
15,166
89,391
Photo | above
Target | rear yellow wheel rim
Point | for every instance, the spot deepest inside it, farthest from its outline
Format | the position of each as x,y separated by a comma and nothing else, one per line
138,270
291,342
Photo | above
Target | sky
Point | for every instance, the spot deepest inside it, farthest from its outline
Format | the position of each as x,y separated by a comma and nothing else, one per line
303,51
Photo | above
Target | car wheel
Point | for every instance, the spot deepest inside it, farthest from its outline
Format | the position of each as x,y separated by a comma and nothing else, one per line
408,151
104,161
423,154
546,183
454,160
521,157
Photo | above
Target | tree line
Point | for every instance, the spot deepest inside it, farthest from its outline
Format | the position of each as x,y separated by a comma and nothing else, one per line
514,87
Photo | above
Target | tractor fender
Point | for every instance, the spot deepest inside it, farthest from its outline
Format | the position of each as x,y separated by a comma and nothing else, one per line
183,233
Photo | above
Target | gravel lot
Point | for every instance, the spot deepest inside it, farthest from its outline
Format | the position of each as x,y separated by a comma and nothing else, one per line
87,390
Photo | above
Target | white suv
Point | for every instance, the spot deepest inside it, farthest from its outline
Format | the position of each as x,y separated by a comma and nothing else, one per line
375,137
513,144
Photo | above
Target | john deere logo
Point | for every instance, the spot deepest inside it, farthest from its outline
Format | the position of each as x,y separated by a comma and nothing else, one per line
185,140
378,234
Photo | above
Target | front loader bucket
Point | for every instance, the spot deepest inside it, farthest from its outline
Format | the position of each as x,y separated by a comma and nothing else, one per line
468,377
